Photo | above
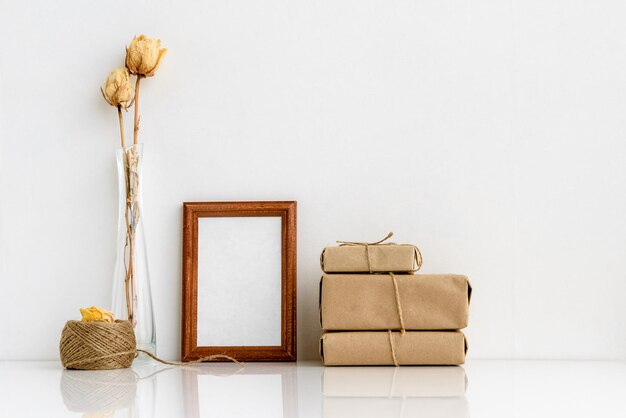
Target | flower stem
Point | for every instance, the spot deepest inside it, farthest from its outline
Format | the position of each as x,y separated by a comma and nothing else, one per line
136,131
119,115
130,268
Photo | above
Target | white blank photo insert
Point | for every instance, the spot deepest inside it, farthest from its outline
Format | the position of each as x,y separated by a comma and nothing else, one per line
239,281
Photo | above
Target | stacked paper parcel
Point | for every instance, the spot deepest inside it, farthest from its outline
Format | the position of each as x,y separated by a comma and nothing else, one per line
375,311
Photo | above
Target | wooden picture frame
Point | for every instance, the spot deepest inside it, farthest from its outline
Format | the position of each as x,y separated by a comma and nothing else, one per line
193,214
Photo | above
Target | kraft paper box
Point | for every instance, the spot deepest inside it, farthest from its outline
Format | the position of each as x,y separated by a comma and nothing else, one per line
455,407
403,258
388,382
356,302
374,348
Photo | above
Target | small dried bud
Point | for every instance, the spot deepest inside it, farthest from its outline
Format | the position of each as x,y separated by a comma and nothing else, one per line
143,56
117,90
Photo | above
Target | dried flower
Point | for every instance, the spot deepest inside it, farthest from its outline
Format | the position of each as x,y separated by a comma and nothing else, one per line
95,314
117,90
143,56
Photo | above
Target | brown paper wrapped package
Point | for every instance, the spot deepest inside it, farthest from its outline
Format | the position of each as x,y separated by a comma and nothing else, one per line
403,258
354,302
374,348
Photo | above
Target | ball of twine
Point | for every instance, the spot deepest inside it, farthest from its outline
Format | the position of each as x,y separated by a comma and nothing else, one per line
97,345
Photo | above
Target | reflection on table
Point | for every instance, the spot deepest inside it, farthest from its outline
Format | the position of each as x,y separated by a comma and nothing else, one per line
256,390
395,392
276,390
498,388
110,393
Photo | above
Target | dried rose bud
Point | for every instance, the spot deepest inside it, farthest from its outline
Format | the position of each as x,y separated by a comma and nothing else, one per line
95,314
143,56
117,90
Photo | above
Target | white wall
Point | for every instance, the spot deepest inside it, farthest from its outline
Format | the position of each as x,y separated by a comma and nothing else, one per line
490,133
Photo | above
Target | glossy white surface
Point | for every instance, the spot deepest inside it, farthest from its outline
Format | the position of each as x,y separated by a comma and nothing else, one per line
307,390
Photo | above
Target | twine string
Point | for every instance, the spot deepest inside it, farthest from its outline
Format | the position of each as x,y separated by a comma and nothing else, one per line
367,247
136,352
189,363
342,243
102,346
398,303
393,348
78,362
418,258
97,345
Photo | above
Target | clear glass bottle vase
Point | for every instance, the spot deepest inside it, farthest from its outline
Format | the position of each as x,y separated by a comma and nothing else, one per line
132,297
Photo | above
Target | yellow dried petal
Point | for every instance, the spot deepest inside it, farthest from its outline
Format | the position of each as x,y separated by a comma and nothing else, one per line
117,90
95,314
144,55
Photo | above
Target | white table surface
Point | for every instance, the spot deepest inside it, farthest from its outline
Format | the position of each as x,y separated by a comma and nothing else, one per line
479,389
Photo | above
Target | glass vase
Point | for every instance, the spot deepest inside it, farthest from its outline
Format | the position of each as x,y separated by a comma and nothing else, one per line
132,297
